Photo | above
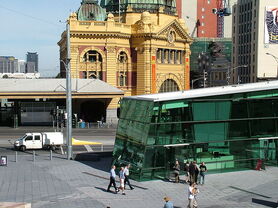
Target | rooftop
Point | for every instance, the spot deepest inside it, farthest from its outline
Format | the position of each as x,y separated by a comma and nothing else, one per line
57,85
205,92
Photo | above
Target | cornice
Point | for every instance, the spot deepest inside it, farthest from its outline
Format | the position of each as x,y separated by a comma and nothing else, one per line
100,35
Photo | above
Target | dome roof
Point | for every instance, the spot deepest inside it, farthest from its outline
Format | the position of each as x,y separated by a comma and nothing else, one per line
140,6
90,10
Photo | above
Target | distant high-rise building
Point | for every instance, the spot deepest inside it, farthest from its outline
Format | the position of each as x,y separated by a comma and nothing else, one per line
201,20
21,66
255,41
32,58
30,67
8,64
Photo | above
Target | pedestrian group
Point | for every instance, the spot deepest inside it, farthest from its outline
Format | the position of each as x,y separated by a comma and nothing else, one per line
124,179
194,175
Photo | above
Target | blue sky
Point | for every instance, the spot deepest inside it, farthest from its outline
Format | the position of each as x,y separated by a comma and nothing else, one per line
33,26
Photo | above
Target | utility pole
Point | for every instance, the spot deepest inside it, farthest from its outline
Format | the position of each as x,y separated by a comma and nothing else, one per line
119,10
69,101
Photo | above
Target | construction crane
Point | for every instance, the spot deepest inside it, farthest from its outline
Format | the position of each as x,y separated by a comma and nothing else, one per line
223,9
197,24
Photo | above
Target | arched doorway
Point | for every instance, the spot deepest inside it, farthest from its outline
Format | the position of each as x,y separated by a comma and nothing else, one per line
93,111
169,85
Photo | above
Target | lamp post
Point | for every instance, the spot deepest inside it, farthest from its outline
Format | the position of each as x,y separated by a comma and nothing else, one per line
276,59
69,101
230,70
194,80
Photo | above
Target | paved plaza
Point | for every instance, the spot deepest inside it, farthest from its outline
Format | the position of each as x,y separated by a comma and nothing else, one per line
72,184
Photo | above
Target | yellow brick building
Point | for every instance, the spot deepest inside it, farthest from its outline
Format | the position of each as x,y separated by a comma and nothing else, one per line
140,47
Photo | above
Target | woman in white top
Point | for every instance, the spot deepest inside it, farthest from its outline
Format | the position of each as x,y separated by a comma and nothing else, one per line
192,192
122,180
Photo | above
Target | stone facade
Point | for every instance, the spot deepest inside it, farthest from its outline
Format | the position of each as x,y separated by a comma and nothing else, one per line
143,53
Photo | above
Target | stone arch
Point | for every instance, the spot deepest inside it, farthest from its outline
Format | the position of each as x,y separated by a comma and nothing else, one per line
93,49
170,76
99,70
127,53
123,69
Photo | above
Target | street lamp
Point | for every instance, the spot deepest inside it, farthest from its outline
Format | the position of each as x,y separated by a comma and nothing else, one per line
194,80
230,70
276,59
69,99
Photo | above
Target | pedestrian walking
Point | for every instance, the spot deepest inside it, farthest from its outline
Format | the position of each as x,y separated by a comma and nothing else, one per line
122,180
197,171
126,172
168,203
192,193
203,170
177,171
186,170
112,179
191,172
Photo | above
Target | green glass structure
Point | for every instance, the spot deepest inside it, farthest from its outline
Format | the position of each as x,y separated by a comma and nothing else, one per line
139,6
229,128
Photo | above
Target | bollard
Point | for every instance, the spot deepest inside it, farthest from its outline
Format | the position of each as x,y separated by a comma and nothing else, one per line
34,155
50,154
15,156
102,147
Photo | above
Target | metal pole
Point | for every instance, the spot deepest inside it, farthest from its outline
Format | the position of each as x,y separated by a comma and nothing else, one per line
119,10
34,153
228,76
15,156
50,154
69,107
204,78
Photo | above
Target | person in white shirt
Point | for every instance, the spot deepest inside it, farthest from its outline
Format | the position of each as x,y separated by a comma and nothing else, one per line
112,179
192,192
122,180
126,172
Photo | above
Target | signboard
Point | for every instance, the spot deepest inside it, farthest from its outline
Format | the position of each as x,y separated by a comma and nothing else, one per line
3,161
271,25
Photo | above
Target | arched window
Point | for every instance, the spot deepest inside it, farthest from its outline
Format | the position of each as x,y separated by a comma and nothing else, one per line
92,67
122,63
92,56
169,85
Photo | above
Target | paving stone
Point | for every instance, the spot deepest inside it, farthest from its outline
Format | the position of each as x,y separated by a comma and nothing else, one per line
70,184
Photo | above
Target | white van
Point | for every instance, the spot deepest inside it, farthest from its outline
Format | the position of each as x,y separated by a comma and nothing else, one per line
47,140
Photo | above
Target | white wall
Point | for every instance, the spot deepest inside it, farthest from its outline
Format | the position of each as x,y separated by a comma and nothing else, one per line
266,65
189,8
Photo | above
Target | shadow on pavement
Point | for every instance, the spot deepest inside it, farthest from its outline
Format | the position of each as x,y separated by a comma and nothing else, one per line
250,192
103,189
265,203
97,161
106,178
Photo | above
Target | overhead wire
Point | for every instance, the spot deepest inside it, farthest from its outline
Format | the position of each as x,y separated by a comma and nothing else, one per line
29,16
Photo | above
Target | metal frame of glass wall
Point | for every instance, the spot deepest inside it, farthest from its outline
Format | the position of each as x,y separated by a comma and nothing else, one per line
227,132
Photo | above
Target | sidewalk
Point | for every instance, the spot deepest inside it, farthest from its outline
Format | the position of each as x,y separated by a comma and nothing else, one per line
70,184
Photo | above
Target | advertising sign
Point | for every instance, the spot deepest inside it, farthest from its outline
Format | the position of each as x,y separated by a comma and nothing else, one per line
3,161
271,25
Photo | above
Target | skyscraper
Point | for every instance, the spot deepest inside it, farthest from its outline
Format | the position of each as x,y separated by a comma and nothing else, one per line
255,44
21,66
8,64
200,18
32,60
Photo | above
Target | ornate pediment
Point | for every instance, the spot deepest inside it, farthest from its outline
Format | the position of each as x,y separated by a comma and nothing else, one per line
141,27
174,31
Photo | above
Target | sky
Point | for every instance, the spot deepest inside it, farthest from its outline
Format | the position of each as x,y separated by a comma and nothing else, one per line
34,26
